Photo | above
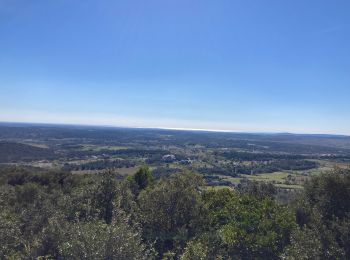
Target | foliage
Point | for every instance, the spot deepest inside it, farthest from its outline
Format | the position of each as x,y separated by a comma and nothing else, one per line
105,197
195,250
323,214
248,226
259,190
57,215
143,178
10,245
99,240
172,212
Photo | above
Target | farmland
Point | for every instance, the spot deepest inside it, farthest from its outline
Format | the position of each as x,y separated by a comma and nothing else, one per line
223,159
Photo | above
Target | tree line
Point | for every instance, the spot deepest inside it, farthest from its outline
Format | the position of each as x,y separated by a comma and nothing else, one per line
234,169
58,215
99,165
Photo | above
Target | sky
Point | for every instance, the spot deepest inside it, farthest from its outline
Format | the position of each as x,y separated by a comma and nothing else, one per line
247,66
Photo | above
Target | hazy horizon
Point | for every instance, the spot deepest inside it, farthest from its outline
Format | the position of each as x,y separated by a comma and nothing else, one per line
72,124
243,66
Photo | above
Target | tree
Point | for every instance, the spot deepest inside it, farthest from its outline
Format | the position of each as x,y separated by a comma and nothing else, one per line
143,177
11,243
330,194
323,211
248,227
195,250
99,240
106,193
306,244
172,212
256,189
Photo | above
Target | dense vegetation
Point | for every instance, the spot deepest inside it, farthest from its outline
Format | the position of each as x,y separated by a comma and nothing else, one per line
58,215
82,193
260,167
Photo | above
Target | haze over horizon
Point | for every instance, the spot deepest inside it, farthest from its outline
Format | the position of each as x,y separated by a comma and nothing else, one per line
252,66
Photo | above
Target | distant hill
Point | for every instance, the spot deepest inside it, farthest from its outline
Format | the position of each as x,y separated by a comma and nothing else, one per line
11,152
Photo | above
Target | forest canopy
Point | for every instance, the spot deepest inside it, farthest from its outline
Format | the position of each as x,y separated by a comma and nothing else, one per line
58,215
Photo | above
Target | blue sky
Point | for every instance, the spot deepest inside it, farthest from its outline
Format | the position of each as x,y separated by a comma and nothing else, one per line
257,66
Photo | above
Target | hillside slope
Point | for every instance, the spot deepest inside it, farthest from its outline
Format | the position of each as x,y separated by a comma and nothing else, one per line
10,151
